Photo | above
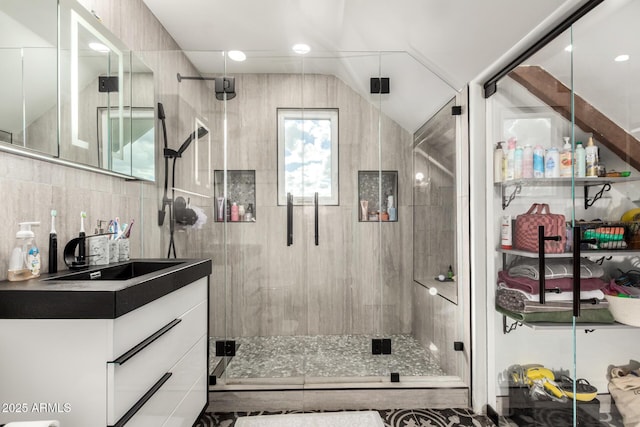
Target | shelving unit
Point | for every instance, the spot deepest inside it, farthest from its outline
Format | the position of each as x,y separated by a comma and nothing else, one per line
603,182
370,185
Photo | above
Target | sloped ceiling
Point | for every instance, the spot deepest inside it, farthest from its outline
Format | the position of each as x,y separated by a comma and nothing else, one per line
439,45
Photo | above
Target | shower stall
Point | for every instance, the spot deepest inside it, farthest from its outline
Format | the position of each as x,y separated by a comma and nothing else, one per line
334,186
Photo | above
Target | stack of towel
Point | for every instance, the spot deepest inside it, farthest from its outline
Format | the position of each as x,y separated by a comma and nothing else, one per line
518,292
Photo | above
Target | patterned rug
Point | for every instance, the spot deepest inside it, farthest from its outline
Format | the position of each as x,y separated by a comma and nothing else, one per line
390,417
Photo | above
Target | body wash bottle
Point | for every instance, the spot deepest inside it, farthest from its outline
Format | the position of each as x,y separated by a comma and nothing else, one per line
391,208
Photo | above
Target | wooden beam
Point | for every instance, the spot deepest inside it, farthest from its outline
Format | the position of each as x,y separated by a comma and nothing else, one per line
556,95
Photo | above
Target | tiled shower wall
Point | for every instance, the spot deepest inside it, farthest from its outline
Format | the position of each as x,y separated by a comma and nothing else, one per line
358,280
32,188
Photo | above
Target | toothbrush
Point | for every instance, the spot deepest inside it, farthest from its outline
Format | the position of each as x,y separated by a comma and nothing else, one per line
128,233
116,227
53,244
81,246
121,234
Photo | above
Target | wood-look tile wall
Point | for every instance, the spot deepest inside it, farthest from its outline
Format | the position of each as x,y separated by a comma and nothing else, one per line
358,279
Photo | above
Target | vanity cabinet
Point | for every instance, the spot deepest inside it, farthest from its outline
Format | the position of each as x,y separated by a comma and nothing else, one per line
147,367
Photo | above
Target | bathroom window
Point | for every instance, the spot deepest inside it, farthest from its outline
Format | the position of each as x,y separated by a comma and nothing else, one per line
308,156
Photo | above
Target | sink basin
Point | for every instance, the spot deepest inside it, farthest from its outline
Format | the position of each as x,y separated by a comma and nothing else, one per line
126,271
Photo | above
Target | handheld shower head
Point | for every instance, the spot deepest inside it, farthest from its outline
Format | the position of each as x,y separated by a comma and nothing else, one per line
202,131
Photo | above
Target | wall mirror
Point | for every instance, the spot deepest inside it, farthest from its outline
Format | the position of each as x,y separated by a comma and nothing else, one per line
75,93
434,199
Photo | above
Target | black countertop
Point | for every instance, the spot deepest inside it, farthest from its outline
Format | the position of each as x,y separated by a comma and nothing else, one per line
53,297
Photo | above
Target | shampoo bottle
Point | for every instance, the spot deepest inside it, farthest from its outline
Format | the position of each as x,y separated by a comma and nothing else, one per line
551,160
538,162
580,167
235,216
510,159
527,161
391,208
25,258
517,163
591,158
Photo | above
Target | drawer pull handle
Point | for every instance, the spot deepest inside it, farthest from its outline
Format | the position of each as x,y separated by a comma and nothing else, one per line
140,403
138,348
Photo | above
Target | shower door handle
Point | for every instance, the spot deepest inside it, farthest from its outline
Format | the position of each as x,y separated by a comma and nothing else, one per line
317,232
289,219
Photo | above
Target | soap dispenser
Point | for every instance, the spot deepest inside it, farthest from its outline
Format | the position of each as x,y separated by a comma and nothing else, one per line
25,258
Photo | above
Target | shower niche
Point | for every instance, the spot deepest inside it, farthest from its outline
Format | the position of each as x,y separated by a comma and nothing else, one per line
241,191
372,185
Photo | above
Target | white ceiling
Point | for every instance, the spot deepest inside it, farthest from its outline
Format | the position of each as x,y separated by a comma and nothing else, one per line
440,44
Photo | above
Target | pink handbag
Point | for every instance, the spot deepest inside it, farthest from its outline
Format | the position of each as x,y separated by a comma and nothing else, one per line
526,229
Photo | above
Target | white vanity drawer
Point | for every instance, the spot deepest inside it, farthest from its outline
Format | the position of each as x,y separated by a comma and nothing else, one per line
193,403
181,397
128,380
135,326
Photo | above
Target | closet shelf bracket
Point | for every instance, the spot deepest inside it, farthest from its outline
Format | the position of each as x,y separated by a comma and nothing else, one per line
589,201
507,199
508,328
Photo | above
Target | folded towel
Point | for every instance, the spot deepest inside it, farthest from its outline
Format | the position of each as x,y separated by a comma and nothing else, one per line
601,315
555,268
557,296
517,301
564,284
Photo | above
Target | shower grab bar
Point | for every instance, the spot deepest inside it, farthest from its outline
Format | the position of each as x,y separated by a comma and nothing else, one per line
315,201
289,219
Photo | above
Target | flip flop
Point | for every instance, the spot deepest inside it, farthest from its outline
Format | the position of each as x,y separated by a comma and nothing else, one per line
546,377
585,392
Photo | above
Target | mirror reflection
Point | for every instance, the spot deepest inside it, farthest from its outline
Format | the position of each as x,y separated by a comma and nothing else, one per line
103,116
28,53
434,196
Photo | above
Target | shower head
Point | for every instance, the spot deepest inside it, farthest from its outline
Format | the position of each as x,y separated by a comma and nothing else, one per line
202,131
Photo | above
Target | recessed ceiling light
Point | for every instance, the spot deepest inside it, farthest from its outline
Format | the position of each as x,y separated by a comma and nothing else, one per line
621,58
98,47
569,48
237,55
301,48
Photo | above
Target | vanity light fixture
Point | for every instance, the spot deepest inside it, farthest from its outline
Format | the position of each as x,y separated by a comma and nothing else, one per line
236,55
621,58
301,48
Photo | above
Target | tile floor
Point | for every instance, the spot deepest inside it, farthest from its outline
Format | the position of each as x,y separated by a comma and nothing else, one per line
391,418
326,356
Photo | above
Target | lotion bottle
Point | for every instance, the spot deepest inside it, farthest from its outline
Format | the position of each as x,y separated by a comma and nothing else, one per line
25,258
566,159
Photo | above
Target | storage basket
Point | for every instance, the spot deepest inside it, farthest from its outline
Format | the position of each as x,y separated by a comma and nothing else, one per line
633,234
604,235
625,310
